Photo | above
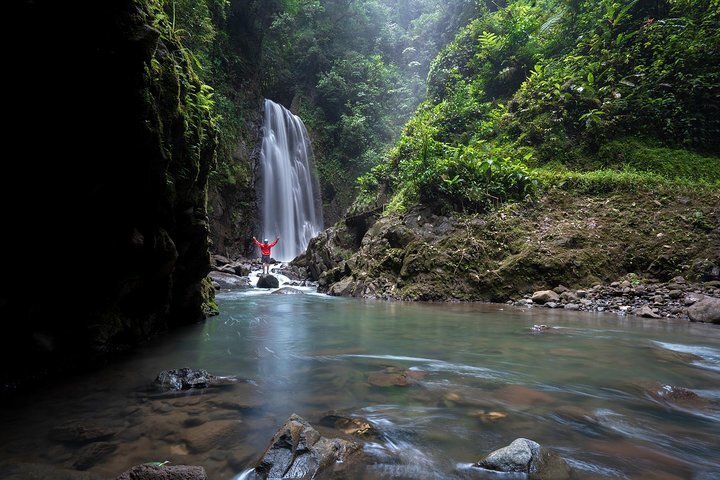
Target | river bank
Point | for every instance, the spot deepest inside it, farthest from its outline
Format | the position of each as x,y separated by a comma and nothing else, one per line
624,250
677,298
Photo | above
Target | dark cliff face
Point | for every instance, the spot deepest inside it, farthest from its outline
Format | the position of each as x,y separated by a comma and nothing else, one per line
106,238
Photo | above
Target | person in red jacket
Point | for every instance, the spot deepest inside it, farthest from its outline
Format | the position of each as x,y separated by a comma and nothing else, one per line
265,247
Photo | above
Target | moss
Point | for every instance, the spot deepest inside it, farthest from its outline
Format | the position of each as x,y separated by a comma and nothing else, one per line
563,237
209,307
670,163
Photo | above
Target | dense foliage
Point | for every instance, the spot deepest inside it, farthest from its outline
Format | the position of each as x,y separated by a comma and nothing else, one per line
586,85
355,71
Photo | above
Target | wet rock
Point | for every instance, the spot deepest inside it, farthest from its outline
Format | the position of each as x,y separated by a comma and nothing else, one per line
244,396
229,281
92,454
519,395
165,472
707,309
298,451
548,465
220,260
268,281
350,425
80,433
545,296
539,328
486,416
184,379
516,457
675,356
288,291
213,434
394,377
672,394
646,312
241,269
572,306
527,456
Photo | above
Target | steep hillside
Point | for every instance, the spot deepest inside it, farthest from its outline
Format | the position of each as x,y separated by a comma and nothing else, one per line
609,110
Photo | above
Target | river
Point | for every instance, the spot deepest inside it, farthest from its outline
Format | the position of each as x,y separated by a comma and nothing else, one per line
480,377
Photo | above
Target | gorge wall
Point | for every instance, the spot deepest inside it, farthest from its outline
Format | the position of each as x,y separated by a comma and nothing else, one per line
108,231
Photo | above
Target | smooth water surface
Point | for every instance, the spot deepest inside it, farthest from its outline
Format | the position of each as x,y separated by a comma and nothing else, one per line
585,387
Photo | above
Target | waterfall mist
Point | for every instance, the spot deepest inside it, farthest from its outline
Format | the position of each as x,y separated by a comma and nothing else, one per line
289,195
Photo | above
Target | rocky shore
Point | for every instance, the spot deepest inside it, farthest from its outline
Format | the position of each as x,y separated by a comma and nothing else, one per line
677,298
648,298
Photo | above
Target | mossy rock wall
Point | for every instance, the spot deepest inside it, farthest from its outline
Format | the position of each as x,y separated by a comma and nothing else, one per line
109,238
560,239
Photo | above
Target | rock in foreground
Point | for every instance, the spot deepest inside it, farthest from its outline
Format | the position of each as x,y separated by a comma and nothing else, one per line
526,456
298,451
168,472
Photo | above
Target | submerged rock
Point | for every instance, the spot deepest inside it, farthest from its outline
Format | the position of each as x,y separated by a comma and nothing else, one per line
298,451
79,433
349,425
213,434
37,471
165,472
393,376
92,454
672,394
268,281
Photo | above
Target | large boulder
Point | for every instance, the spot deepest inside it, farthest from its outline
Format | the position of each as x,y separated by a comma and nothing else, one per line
527,456
298,451
707,309
229,281
268,281
545,296
164,472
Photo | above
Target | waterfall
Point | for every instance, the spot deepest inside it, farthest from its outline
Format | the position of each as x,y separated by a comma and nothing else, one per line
289,195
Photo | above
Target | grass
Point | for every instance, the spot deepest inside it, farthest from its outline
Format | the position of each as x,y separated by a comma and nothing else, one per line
611,180
671,163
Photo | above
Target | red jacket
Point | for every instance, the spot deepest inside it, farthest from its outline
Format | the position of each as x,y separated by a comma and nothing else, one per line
265,247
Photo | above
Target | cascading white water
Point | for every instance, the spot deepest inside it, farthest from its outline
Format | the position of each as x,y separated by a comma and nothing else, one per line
289,195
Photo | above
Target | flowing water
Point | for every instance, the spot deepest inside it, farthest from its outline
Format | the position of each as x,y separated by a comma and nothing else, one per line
585,387
289,195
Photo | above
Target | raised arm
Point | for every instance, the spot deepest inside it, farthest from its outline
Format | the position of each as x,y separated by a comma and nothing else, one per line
256,241
275,242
